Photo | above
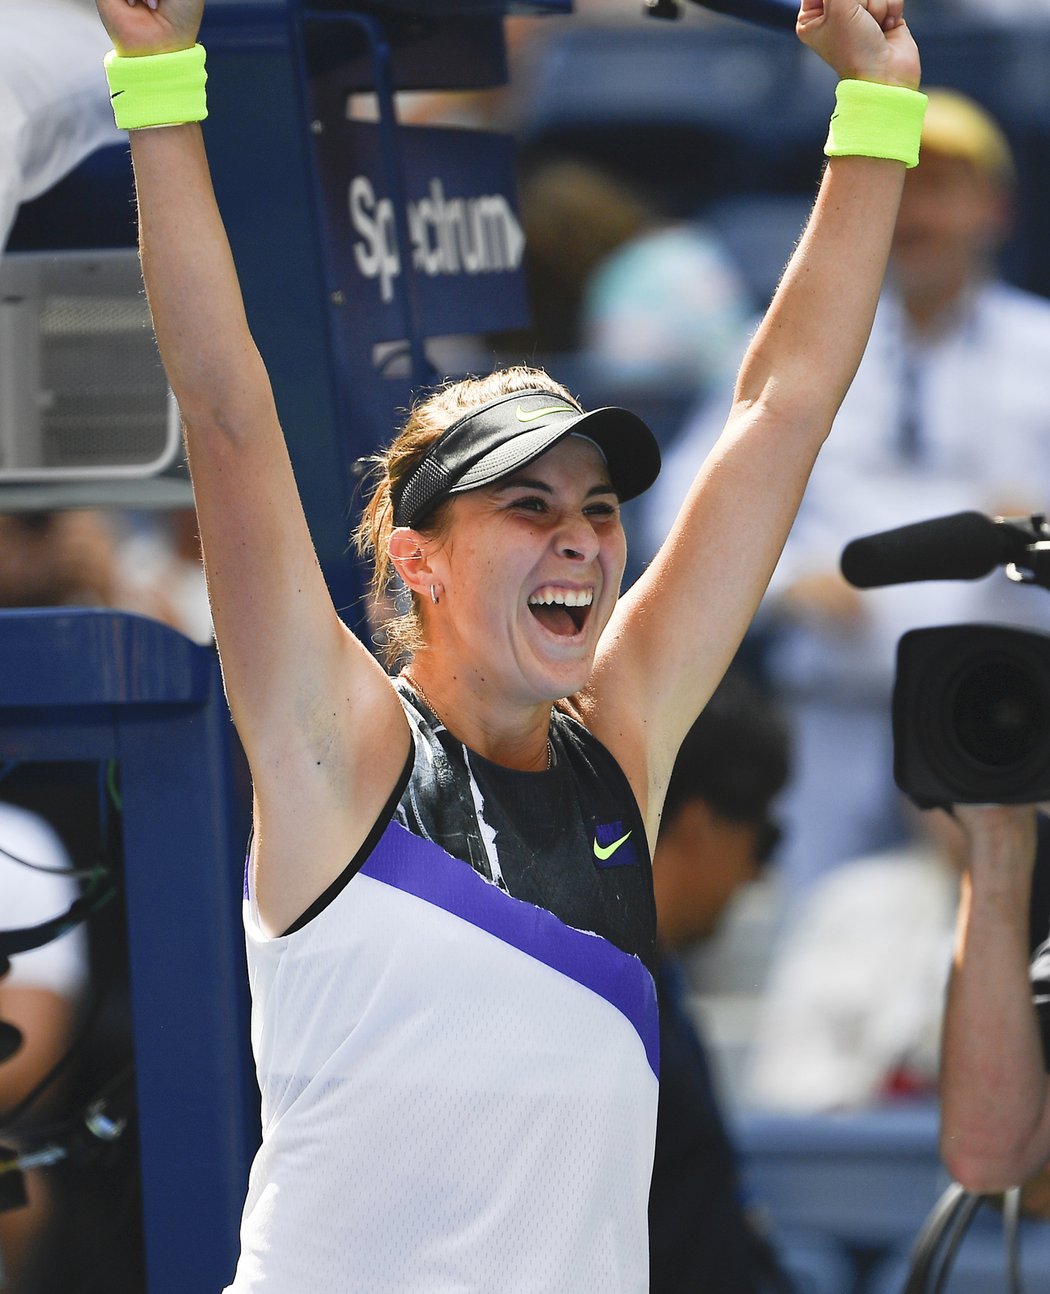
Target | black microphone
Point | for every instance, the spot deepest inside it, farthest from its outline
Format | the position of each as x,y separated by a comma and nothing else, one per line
964,546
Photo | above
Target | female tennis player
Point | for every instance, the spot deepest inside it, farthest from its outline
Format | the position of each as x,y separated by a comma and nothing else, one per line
448,906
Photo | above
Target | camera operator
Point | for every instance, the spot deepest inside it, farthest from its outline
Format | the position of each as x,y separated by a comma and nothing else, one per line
995,1095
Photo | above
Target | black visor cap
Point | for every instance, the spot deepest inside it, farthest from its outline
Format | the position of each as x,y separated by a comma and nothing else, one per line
505,435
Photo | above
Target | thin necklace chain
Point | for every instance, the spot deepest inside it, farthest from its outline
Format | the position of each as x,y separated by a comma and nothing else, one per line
414,683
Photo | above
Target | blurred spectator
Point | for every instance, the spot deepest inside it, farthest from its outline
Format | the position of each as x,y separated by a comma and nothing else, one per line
715,834
637,304
54,109
641,301
668,307
161,554
574,216
851,1015
57,559
950,409
39,996
76,558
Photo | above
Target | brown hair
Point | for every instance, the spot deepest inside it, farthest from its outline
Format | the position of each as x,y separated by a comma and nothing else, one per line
426,421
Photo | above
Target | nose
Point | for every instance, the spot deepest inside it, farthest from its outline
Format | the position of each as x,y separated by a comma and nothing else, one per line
576,538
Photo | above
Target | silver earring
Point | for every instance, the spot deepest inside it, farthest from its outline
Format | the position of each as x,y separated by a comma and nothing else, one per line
434,594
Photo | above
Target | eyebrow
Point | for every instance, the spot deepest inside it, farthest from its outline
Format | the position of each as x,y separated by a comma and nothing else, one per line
529,483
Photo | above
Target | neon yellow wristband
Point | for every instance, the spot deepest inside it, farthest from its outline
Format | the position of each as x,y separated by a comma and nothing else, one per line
157,89
875,120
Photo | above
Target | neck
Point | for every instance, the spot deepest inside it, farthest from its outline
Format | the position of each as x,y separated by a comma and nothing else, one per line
495,727
932,308
927,314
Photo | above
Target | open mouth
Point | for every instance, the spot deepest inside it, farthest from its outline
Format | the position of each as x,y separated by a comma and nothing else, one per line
562,611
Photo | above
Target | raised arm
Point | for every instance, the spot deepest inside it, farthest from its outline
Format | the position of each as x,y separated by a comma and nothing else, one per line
678,627
995,1099
303,691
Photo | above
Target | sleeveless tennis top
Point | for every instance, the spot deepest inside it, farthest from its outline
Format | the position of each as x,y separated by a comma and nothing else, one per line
457,1044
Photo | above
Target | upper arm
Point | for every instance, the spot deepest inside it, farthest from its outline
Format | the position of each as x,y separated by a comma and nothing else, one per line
676,630
322,727
279,637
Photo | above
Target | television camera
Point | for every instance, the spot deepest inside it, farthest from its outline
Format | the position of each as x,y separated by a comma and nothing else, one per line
971,702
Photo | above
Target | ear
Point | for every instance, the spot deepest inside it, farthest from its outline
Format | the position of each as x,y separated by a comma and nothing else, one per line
410,553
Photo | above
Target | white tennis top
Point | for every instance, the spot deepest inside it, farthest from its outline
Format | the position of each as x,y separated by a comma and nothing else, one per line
458,1091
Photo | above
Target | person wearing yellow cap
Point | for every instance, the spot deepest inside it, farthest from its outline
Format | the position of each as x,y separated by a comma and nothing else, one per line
955,215
950,410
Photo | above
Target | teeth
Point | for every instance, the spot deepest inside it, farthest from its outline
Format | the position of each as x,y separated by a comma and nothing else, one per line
564,597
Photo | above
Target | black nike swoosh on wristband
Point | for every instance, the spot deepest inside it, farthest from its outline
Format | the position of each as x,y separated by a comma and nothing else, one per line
114,94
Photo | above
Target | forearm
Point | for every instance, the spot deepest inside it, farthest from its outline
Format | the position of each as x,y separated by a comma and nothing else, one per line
210,358
994,1130
273,616
806,352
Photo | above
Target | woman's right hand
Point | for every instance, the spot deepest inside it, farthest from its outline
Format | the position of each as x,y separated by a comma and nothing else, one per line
160,27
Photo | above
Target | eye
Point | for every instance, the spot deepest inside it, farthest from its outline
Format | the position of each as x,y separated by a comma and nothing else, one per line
602,509
530,503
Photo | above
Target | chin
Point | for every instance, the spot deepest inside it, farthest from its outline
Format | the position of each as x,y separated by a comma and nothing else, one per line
557,681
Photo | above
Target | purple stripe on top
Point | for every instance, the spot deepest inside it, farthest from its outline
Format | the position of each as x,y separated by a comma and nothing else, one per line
422,868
